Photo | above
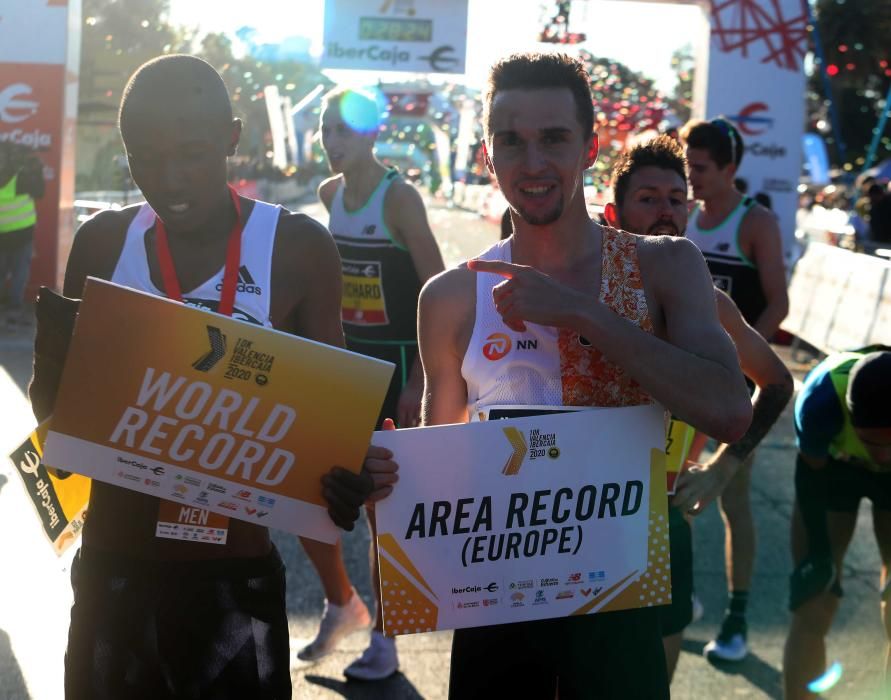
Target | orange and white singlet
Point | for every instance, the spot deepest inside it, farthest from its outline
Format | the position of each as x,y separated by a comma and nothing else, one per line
554,366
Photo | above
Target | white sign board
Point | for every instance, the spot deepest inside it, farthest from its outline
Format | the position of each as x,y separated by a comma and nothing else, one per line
524,519
420,36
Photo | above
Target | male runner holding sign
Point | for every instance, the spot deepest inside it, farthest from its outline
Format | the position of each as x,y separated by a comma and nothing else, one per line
611,328
157,617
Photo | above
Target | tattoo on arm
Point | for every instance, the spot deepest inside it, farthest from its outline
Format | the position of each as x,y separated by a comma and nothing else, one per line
768,406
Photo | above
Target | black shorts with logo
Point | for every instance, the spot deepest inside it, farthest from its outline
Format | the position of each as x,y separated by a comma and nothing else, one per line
215,630
605,656
679,614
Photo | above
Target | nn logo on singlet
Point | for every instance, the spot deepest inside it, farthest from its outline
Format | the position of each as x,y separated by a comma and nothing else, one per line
498,345
246,284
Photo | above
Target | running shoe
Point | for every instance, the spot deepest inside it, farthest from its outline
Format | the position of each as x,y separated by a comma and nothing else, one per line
378,661
731,647
338,621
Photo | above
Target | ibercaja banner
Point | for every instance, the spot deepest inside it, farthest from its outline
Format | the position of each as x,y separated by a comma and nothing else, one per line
59,498
209,412
524,519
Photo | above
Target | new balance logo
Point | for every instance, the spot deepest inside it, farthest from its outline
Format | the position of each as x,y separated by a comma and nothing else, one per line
369,230
246,284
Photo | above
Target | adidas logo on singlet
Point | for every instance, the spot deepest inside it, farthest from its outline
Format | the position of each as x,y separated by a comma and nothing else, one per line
246,284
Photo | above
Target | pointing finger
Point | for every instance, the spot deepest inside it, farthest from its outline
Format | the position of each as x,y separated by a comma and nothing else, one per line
505,269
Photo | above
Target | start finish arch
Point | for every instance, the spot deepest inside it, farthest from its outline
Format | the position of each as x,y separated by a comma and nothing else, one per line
749,68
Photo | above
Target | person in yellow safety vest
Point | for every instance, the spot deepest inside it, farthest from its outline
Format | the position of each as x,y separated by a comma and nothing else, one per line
21,182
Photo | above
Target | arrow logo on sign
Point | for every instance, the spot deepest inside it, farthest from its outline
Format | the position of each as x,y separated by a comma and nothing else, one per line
217,350
513,464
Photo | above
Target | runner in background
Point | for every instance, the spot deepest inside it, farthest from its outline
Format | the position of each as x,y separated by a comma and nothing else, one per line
600,305
650,198
741,243
388,251
157,617
843,427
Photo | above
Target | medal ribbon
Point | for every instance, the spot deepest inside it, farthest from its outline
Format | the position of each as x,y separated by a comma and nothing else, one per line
230,273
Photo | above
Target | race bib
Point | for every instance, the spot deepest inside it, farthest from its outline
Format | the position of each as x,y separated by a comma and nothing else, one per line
363,294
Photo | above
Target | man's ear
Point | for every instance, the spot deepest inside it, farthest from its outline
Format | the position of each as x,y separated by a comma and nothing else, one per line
611,214
731,169
487,159
234,136
593,150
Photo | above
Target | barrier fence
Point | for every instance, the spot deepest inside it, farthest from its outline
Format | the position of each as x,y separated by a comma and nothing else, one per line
838,300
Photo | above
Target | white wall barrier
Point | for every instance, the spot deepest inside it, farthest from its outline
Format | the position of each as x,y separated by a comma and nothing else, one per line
839,300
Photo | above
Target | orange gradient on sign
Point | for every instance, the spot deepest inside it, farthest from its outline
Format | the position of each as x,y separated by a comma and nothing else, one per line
408,600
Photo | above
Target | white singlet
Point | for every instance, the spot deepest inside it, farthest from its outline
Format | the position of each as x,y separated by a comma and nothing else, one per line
252,293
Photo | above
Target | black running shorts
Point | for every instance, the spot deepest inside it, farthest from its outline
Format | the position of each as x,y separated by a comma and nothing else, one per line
401,355
841,488
215,630
849,483
679,614
605,656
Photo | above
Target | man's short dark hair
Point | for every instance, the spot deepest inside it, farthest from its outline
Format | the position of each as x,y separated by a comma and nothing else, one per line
869,383
539,71
719,137
177,77
876,190
661,152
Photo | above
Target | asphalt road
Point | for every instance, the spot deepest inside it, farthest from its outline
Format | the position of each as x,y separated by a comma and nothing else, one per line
35,595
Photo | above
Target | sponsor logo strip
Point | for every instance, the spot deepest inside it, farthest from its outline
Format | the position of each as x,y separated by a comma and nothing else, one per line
280,511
